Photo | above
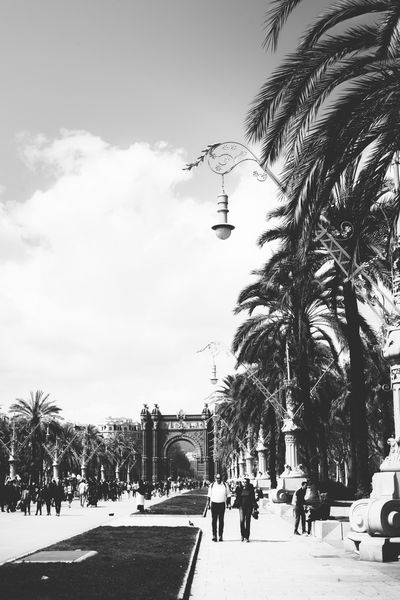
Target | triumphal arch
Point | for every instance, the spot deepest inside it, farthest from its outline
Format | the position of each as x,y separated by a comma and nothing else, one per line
179,445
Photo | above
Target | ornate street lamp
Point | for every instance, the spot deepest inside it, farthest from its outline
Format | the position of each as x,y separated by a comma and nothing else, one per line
222,159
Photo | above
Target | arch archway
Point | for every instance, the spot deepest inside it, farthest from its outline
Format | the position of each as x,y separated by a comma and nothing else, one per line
181,456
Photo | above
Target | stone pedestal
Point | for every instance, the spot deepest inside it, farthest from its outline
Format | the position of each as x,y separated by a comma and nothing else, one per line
56,470
377,518
262,460
236,468
374,549
287,485
12,460
293,475
12,467
242,465
56,462
249,464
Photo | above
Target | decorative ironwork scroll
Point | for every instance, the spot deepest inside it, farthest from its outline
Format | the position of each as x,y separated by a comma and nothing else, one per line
223,158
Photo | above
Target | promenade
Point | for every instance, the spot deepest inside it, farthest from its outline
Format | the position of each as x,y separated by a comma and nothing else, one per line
275,565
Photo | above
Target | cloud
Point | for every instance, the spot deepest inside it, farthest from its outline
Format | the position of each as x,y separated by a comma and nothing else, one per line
112,278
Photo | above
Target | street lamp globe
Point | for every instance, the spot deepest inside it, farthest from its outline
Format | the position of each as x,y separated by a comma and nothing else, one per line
223,230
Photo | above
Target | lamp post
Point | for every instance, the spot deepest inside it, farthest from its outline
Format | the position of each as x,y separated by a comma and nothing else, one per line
222,159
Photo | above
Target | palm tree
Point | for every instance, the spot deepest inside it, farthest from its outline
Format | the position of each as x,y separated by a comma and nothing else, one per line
334,99
240,412
350,202
117,451
35,415
291,305
289,103
331,106
92,449
68,440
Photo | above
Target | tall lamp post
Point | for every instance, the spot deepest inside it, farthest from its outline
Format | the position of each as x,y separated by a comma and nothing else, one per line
222,159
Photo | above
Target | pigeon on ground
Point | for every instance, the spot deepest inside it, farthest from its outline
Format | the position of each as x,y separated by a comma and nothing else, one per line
190,523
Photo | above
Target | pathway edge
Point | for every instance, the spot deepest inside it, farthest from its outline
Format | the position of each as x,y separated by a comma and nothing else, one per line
184,591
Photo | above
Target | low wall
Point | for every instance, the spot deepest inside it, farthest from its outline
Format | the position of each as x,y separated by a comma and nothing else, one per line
334,528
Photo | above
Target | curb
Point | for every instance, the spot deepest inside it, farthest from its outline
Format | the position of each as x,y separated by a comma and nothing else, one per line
184,591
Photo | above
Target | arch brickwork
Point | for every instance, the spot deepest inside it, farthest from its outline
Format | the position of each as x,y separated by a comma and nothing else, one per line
159,434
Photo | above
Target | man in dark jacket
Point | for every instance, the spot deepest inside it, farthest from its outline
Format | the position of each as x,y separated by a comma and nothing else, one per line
246,502
298,508
58,496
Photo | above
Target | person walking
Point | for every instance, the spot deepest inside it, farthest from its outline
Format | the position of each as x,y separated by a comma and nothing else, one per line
47,495
82,491
218,498
58,496
140,493
246,502
3,496
38,498
69,492
298,503
26,500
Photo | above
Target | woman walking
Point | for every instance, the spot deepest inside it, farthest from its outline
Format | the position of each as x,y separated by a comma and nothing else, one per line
47,496
246,502
140,493
26,500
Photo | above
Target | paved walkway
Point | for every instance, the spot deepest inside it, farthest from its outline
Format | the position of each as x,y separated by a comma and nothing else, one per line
275,565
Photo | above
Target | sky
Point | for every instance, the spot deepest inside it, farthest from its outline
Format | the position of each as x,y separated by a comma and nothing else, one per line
111,279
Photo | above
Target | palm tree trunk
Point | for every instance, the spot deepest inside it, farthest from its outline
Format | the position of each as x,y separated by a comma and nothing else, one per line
323,460
360,478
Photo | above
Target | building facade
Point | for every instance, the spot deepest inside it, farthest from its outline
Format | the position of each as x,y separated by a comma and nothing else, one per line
162,446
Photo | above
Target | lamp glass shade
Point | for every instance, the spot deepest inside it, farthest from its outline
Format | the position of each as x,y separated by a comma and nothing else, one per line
223,230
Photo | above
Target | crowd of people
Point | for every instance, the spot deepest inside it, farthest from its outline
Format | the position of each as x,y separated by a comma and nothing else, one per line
47,498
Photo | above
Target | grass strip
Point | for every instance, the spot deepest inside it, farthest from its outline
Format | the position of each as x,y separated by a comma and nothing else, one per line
140,563
191,503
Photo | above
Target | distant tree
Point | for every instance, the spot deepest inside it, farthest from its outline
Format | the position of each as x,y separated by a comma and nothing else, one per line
35,415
